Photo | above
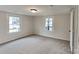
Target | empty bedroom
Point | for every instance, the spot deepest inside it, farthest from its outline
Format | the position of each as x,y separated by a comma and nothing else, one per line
36,29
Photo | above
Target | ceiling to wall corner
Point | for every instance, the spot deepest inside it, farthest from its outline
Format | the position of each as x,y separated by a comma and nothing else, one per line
41,9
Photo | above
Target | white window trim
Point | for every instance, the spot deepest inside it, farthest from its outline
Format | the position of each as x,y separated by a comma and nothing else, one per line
52,24
19,21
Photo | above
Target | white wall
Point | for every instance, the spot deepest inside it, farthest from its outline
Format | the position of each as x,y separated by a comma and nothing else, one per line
34,25
61,26
76,29
26,27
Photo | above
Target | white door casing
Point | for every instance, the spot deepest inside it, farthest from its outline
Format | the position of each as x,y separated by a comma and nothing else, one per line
71,30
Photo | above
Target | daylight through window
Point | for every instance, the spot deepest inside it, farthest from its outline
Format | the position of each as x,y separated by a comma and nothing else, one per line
49,24
14,24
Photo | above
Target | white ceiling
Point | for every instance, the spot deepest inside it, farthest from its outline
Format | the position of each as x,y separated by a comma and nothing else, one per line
42,9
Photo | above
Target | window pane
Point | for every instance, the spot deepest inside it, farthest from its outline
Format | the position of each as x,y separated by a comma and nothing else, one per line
14,24
46,24
11,26
50,28
50,21
49,24
13,30
10,20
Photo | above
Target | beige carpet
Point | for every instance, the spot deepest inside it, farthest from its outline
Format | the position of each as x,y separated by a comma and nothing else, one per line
36,45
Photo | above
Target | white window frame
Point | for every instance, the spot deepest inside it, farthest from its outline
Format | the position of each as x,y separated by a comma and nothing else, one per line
17,29
49,26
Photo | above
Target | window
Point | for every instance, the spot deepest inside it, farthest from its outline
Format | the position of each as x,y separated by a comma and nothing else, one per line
49,24
14,24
